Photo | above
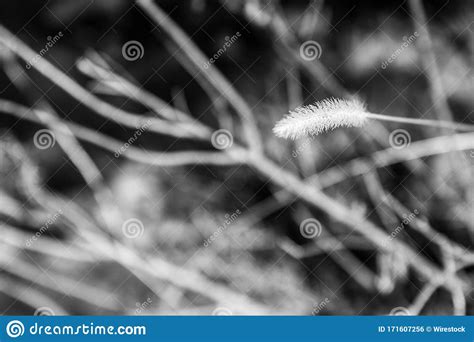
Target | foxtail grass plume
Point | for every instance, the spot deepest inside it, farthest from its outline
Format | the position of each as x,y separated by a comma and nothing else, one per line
331,113
321,117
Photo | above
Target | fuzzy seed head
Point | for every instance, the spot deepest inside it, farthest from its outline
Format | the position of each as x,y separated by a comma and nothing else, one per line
321,117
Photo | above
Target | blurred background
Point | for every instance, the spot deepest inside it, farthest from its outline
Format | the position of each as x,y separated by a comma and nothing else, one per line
121,129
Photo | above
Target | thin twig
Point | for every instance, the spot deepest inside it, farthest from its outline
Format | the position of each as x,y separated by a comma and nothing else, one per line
362,165
119,148
182,130
95,66
423,297
61,284
213,75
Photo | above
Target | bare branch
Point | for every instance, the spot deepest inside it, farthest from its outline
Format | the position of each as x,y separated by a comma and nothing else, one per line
213,75
181,130
143,156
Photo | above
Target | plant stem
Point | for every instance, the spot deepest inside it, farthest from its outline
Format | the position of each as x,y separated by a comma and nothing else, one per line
423,122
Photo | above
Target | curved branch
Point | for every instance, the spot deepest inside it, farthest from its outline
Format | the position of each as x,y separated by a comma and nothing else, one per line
180,130
119,148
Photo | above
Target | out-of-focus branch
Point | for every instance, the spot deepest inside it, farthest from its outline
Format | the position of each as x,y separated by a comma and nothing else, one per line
439,98
218,102
61,284
13,237
69,144
362,165
428,60
94,66
336,250
143,156
450,250
423,297
109,212
114,114
214,76
339,212
300,252
31,297
390,267
149,269
287,43
390,156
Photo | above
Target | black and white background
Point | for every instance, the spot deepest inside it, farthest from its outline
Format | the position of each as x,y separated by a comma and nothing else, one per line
140,174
